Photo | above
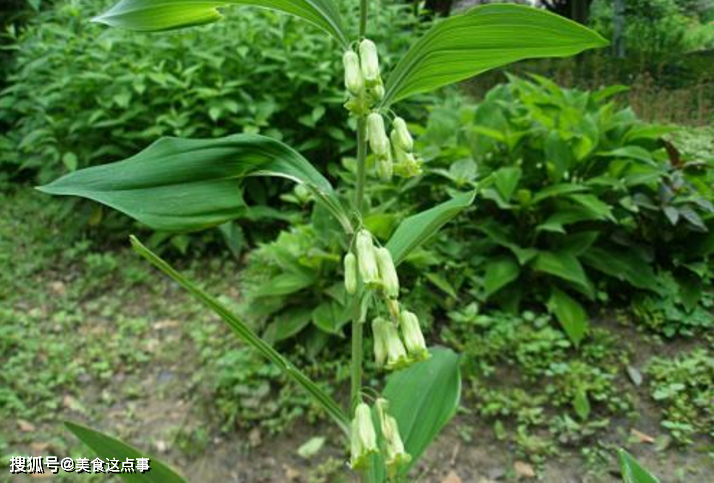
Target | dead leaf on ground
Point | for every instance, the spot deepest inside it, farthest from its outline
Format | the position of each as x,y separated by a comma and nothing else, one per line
291,473
452,477
524,469
25,426
642,437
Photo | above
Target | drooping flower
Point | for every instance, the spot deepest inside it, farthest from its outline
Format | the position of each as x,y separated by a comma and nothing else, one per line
395,456
369,60
400,135
387,272
354,82
363,438
388,346
377,135
350,273
413,337
366,260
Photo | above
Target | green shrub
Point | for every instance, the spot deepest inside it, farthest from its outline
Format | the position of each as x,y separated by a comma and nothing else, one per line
69,107
578,198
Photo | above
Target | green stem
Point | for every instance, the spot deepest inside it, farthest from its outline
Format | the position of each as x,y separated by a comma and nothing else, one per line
357,325
363,18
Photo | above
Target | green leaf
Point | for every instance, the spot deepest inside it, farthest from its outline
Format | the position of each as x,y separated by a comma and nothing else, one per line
422,398
330,317
441,283
632,152
311,447
157,15
622,265
481,39
288,324
570,314
192,184
107,447
418,228
581,404
284,284
499,273
632,471
566,216
592,203
247,335
564,265
557,190
506,180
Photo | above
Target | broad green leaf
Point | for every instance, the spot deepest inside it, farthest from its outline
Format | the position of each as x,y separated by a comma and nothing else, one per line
506,180
192,184
597,207
570,314
330,317
288,324
247,335
481,39
555,223
623,265
633,152
441,283
284,284
157,15
107,447
418,228
578,243
557,190
564,265
500,236
581,404
422,398
632,471
499,273
558,155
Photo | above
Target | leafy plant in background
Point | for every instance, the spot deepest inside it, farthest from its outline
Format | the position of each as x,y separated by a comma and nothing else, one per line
580,199
191,184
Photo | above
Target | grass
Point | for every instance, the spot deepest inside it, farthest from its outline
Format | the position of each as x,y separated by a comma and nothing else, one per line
89,332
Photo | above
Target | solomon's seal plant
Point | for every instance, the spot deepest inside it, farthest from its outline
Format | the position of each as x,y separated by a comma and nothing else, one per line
183,185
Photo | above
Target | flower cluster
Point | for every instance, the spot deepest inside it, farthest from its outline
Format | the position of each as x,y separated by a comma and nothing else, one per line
364,438
398,340
394,153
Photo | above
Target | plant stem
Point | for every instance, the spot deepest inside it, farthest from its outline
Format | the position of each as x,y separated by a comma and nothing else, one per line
359,205
363,17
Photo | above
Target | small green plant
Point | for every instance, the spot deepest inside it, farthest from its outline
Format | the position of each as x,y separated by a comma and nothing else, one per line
683,385
191,184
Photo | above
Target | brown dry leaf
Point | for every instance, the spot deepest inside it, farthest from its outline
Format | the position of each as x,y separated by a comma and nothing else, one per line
524,469
25,426
642,437
291,473
58,288
452,477
39,447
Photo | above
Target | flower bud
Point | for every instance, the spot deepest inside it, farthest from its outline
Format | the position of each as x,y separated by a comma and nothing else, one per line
369,60
388,345
413,337
353,73
393,309
363,438
385,168
366,259
400,135
350,273
395,456
406,165
387,272
376,134
378,92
